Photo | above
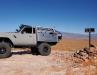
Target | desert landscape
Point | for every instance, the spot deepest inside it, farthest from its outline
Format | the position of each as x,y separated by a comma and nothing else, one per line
73,44
60,62
58,32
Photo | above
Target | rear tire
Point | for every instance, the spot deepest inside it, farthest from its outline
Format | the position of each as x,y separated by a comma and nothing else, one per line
5,50
44,49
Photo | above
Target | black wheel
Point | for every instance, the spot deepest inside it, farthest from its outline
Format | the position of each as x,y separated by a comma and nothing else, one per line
44,49
34,51
5,50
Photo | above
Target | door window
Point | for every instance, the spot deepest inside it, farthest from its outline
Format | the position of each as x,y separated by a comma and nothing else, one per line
27,30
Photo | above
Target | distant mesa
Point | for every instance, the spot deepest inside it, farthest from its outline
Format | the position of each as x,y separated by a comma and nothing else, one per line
77,36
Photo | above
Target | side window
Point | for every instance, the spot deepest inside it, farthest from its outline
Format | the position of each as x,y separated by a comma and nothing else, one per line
34,30
27,30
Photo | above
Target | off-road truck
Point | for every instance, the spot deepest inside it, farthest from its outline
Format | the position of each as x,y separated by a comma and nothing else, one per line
39,39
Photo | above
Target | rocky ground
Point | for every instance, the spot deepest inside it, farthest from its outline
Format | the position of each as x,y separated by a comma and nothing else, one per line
22,62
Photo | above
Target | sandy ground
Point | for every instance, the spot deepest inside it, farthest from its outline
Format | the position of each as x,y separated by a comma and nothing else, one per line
58,63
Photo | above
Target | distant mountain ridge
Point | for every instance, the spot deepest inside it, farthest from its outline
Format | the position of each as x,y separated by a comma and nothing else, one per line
77,36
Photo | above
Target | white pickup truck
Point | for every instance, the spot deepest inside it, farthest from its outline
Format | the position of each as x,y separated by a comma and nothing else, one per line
37,38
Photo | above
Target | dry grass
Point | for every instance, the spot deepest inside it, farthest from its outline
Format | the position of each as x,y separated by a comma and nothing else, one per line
72,44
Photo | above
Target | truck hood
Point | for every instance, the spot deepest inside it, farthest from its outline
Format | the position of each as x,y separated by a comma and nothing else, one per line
5,34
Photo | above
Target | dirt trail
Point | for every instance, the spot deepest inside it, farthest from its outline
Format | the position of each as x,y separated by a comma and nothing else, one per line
58,63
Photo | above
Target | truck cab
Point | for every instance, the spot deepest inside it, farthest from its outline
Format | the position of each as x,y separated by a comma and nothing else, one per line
25,36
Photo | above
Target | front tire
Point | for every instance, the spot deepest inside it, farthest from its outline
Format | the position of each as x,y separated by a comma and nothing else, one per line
5,50
44,49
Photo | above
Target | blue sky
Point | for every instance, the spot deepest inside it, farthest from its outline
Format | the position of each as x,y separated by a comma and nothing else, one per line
64,15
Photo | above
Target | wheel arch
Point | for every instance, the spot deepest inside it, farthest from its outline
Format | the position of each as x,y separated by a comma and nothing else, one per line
5,39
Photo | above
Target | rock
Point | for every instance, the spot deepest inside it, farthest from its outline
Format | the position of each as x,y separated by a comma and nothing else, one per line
86,53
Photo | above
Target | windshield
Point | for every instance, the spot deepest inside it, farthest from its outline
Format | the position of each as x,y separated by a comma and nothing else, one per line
18,30
22,27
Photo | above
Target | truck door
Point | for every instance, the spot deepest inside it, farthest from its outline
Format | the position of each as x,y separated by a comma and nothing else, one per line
26,37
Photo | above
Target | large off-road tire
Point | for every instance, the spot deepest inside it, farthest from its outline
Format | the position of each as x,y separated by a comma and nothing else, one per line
44,49
34,51
5,50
